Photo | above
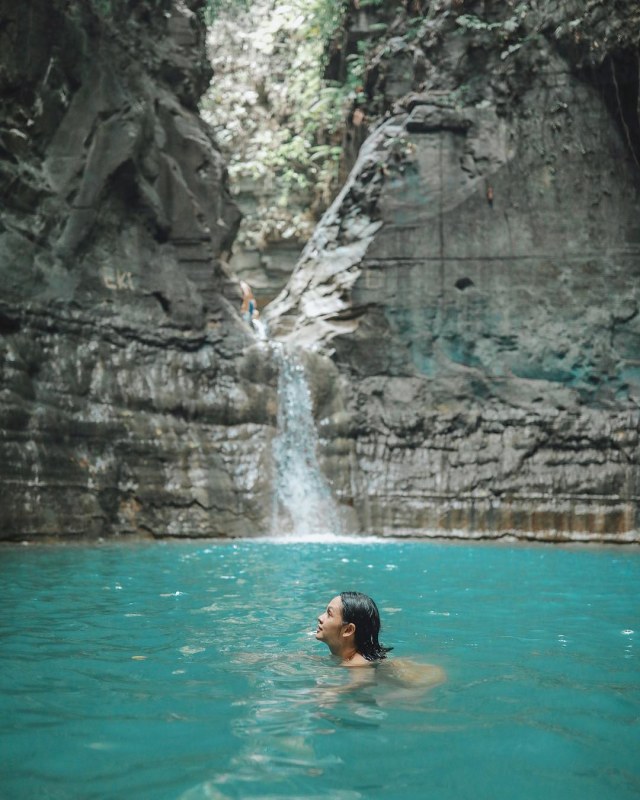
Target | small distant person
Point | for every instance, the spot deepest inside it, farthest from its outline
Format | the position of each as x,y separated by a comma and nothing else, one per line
490,195
248,308
350,627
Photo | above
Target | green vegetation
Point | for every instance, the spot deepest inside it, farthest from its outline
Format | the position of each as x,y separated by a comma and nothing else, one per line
214,8
280,122
277,119
472,23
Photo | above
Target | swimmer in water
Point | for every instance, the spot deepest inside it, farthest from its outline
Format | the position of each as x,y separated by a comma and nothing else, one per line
350,627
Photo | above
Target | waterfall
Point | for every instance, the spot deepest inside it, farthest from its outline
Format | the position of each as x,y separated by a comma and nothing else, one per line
303,503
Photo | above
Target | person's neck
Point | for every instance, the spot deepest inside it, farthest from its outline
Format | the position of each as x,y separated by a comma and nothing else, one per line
349,655
346,653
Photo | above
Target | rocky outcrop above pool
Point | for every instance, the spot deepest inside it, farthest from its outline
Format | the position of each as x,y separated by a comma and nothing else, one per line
468,306
131,402
477,285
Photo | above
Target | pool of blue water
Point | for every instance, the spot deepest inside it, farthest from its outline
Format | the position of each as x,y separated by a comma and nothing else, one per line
189,670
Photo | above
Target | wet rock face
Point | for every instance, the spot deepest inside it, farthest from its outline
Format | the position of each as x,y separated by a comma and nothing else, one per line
472,293
131,401
478,283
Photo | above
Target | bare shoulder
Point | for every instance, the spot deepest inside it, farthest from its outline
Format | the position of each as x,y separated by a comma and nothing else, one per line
411,673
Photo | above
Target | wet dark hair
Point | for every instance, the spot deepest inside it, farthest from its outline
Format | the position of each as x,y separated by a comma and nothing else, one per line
363,612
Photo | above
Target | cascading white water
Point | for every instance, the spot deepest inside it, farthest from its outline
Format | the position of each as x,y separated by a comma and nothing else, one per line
260,330
303,504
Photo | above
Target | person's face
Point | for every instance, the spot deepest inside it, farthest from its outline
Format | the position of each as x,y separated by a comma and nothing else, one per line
330,624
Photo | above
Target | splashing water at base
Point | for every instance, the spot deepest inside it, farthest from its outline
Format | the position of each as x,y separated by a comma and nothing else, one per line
303,504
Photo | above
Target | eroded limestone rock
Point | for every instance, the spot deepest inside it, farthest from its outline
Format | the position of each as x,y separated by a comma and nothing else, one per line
469,303
476,283
130,400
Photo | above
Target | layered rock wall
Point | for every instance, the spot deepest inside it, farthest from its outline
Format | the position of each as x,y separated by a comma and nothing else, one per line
129,401
468,305
477,285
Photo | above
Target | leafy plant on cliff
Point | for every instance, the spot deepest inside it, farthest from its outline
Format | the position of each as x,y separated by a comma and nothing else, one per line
507,33
472,23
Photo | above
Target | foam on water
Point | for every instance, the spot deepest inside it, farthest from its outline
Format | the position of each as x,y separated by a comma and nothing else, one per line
318,538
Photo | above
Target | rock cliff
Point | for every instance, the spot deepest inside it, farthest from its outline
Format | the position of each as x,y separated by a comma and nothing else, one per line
469,304
130,402
476,283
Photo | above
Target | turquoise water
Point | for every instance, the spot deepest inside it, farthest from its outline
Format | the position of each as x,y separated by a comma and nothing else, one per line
189,671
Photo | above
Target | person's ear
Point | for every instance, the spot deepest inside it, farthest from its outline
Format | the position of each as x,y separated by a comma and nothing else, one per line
349,629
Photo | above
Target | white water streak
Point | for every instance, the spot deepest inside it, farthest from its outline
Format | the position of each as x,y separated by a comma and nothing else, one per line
303,504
